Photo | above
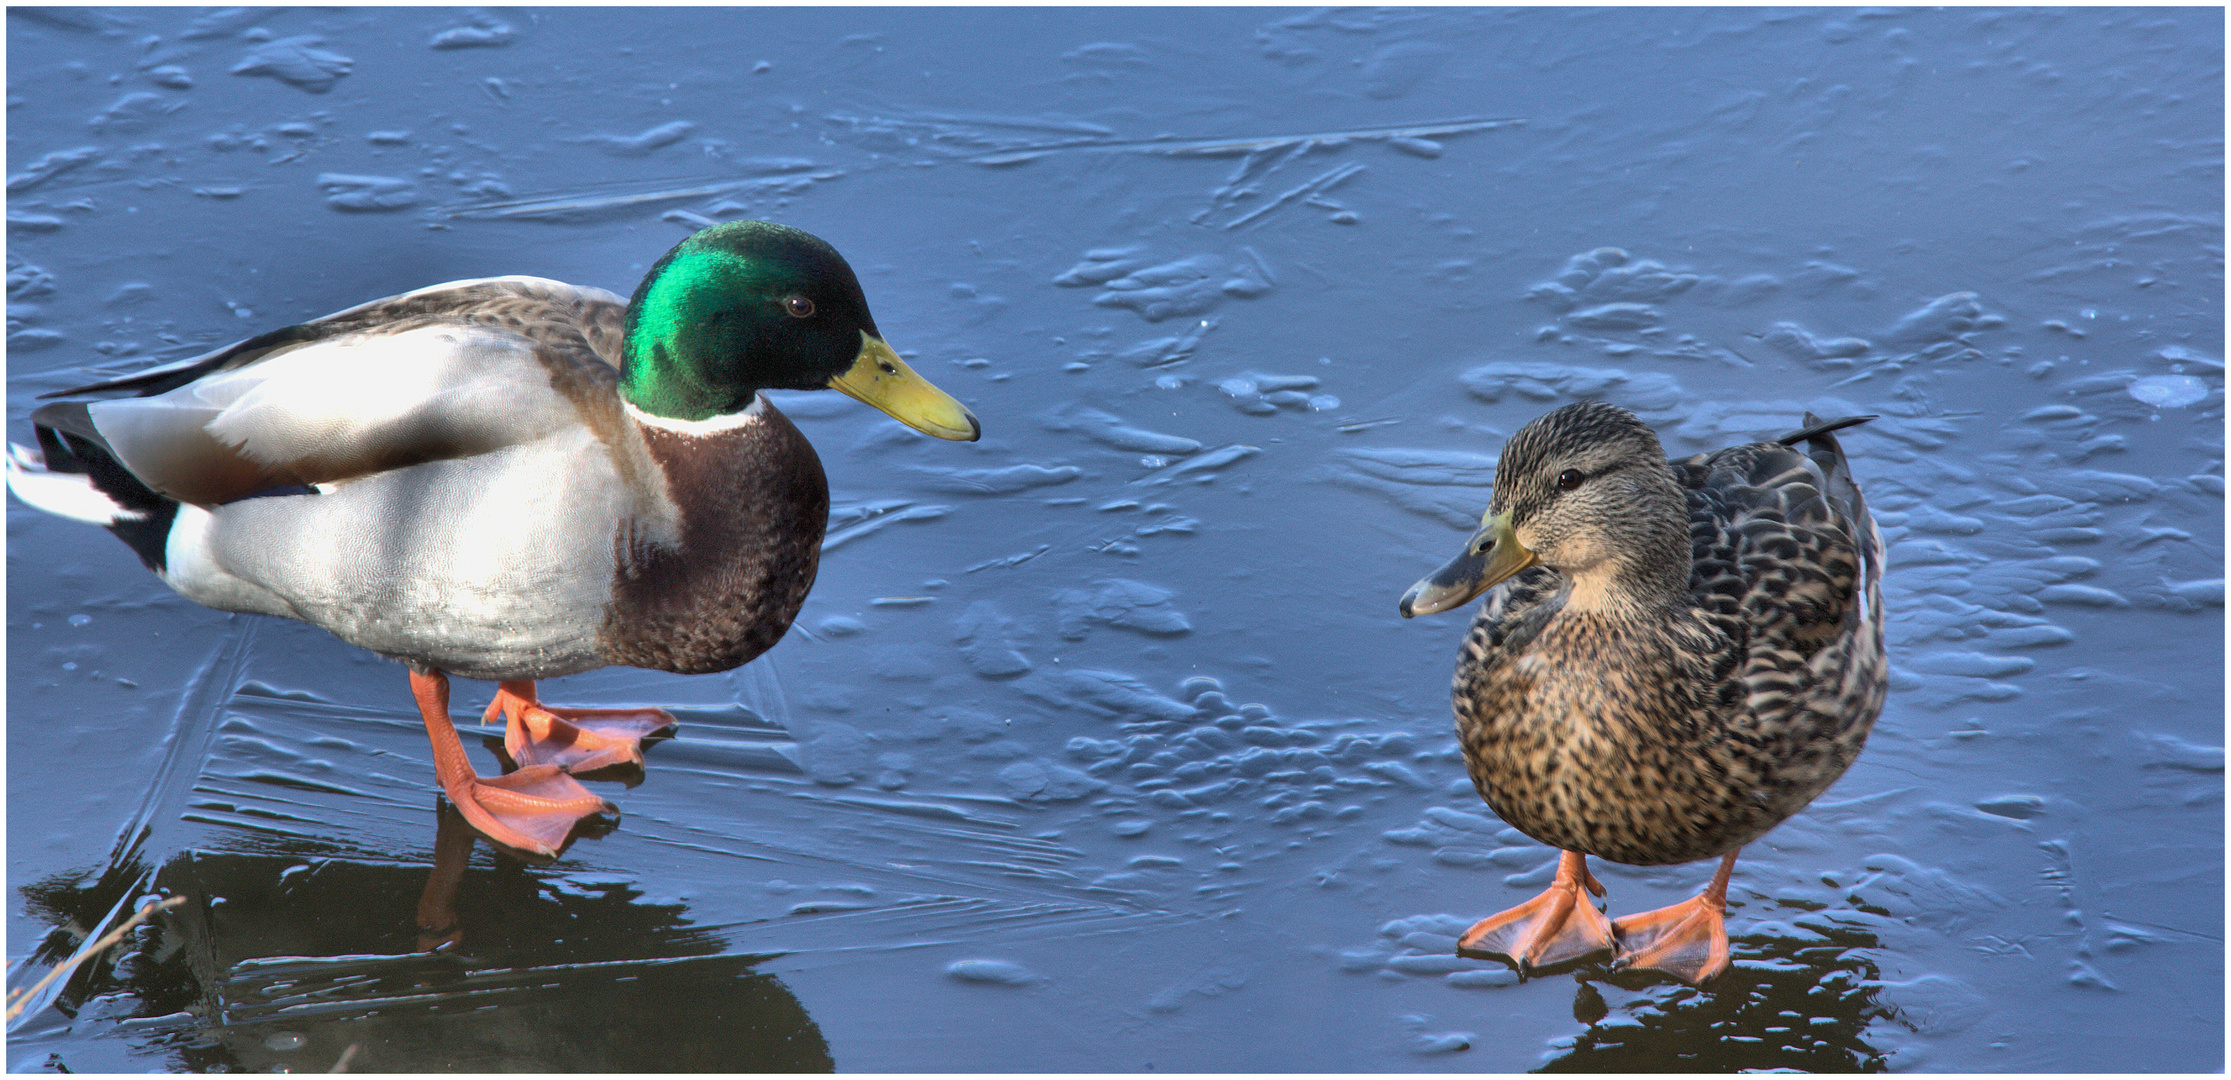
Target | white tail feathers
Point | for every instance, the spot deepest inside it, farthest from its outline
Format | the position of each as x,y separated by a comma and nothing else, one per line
70,495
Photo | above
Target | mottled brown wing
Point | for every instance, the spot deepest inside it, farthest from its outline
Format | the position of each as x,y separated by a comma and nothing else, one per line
1767,546
1788,561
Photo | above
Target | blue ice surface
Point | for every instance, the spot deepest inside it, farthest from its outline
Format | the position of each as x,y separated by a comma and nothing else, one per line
1100,745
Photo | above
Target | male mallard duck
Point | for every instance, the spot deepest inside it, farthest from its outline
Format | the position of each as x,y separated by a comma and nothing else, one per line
1680,656
508,478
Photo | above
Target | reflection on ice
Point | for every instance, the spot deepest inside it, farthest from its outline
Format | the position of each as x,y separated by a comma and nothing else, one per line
287,959
1137,758
1801,1002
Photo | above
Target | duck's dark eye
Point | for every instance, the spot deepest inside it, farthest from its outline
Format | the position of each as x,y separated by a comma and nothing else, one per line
1569,479
797,307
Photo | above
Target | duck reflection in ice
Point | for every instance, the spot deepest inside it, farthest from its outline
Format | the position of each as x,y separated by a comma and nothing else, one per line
1796,998
289,957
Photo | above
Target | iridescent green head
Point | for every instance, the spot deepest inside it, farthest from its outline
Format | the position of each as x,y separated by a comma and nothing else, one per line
747,306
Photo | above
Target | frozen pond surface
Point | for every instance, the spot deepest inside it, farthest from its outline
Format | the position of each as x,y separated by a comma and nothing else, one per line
1099,744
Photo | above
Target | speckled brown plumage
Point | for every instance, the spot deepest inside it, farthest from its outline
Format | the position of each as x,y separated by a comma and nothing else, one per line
1716,683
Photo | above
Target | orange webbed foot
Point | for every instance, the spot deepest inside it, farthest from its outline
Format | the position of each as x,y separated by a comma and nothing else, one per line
1559,925
533,810
1687,940
576,740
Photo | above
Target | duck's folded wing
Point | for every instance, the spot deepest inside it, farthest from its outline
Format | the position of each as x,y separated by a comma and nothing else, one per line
447,371
1779,539
1840,491
528,304
340,408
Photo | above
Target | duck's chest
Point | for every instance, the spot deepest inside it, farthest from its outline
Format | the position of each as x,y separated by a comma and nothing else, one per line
714,574
1582,690
1595,737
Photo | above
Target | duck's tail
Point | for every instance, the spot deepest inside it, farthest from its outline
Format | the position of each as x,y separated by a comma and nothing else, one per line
1815,426
1819,438
73,474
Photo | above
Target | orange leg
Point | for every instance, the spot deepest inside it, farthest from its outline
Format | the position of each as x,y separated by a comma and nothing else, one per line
1687,940
576,740
1559,925
533,809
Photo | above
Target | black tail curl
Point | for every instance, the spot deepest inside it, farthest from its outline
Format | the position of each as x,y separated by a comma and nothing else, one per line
72,444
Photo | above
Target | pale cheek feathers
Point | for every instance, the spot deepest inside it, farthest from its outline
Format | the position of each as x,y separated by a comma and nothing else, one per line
1587,561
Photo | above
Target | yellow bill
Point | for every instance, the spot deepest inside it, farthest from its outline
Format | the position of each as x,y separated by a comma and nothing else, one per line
881,379
1492,554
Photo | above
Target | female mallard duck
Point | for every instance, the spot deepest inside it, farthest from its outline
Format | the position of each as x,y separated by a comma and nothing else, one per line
510,479
1680,656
